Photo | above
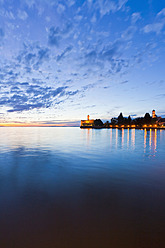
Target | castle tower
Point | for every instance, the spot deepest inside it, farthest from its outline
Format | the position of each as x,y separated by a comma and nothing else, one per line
153,114
88,117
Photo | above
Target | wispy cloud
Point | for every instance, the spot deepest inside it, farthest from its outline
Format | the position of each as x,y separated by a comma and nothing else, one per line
161,13
57,34
135,17
32,56
64,53
22,15
154,27
105,6
158,25
34,97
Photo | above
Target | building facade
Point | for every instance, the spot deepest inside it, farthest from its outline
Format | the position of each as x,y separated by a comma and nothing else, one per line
87,123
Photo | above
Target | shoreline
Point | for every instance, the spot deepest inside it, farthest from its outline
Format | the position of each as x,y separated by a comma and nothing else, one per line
114,127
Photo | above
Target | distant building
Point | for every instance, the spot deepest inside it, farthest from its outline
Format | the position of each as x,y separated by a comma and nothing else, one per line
87,123
153,114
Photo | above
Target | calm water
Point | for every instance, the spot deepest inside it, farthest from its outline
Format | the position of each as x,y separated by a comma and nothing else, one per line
73,188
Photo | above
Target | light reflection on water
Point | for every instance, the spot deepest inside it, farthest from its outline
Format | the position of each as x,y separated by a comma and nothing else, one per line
68,187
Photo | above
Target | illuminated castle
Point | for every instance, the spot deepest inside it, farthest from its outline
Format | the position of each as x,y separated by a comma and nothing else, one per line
87,123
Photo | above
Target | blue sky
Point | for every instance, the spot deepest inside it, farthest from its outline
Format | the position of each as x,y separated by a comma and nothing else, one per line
62,60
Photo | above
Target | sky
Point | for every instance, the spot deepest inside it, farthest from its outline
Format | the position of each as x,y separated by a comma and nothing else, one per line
61,60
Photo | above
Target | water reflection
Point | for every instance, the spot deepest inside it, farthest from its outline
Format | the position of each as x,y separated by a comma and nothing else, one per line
59,185
145,138
88,135
133,138
124,139
116,137
111,139
128,130
150,142
154,143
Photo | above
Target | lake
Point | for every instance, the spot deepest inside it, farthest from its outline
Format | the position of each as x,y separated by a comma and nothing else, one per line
66,187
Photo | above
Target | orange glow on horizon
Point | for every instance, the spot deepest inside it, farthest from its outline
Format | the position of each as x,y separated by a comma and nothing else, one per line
32,125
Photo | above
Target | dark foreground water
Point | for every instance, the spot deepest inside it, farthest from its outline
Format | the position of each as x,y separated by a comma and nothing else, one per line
73,188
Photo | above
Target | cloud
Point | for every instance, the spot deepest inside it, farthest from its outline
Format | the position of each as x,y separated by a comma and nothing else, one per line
64,53
106,6
25,107
22,15
135,17
70,2
161,95
43,54
154,27
161,13
110,58
15,89
128,33
30,3
88,86
72,93
158,24
34,97
56,34
124,82
18,95
60,8
7,14
94,19
32,56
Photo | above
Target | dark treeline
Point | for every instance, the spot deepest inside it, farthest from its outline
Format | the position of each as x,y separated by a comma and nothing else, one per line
139,122
147,119
121,120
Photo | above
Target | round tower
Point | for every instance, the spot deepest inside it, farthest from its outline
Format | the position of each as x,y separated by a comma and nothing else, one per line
153,114
88,117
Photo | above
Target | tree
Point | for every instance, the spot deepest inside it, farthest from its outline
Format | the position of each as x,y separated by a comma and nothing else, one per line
98,123
129,119
147,118
138,121
120,119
